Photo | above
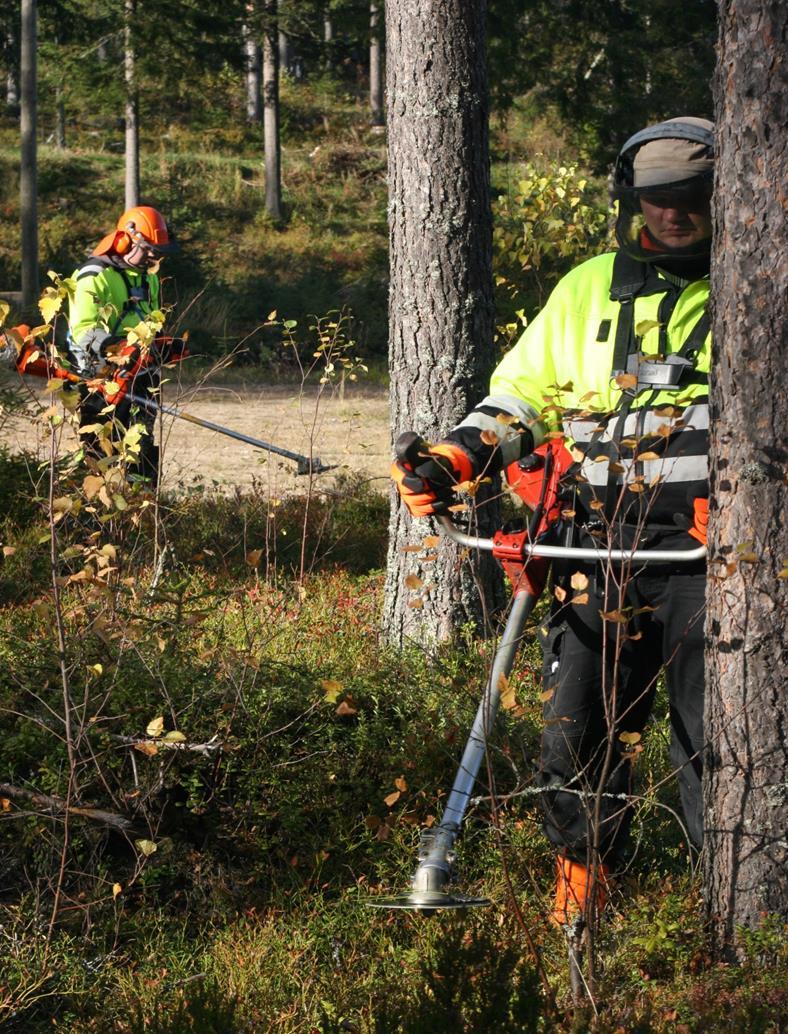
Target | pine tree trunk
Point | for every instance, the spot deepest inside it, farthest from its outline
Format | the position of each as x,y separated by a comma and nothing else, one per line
273,183
328,40
441,300
28,174
746,855
12,73
60,119
284,52
254,69
375,66
132,109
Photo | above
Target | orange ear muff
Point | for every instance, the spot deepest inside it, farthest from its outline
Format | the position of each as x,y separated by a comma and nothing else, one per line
122,243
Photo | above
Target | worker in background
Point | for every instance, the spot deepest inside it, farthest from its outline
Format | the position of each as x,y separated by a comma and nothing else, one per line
118,291
622,351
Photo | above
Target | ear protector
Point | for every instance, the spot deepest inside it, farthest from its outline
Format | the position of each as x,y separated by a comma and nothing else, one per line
122,243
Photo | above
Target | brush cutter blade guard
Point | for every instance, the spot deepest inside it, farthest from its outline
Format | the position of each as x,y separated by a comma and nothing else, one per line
427,901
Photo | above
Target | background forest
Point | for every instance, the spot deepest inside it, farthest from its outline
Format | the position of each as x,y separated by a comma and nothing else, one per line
208,762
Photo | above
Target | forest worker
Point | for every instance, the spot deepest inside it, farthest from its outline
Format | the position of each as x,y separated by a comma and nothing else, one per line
626,337
117,289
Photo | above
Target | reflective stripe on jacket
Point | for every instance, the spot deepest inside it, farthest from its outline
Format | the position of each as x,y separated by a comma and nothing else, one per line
558,378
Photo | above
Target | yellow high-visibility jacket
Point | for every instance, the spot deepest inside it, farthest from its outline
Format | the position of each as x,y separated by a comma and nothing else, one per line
641,452
107,302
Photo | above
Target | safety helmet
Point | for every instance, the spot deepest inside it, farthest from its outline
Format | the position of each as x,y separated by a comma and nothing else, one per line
675,157
139,225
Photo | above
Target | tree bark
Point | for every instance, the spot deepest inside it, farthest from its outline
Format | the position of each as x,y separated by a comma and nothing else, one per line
254,69
746,789
132,108
375,66
441,299
28,172
60,119
12,74
328,40
273,180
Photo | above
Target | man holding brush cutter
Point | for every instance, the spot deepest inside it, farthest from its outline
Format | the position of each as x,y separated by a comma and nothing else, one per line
612,376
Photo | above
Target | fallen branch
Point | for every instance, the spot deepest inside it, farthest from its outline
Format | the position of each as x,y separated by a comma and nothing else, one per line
58,806
153,746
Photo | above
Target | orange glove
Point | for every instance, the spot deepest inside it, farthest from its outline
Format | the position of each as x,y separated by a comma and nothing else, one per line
425,474
701,521
128,360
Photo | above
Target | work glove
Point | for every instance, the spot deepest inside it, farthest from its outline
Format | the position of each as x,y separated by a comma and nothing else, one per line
125,362
700,520
425,475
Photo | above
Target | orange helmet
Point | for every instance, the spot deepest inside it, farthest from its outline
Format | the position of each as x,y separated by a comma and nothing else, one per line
140,225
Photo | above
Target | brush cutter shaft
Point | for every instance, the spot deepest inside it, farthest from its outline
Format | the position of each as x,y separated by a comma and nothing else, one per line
617,556
437,845
306,464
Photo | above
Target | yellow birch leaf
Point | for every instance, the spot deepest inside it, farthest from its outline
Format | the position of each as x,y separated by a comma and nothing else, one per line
146,847
644,326
489,438
579,580
331,690
615,616
581,597
116,889
626,380
430,541
91,485
642,457
253,557
174,736
560,594
508,698
629,737
546,695
392,799
9,550
412,581
155,727
150,750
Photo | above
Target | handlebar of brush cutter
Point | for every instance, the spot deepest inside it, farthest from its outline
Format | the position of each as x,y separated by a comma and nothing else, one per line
598,553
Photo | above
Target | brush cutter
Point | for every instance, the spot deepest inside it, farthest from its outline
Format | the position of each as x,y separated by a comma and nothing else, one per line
38,361
304,464
525,556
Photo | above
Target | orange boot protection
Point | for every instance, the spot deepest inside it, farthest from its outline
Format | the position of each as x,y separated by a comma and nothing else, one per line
573,890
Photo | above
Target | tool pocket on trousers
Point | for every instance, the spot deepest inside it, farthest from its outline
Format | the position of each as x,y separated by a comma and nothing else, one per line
551,637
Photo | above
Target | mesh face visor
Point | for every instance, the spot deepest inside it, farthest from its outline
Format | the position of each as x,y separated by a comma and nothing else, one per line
633,235
669,165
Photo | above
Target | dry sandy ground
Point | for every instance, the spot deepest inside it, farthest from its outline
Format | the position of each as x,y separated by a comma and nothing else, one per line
352,432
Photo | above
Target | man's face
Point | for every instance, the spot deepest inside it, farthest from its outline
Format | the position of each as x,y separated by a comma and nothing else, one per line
142,257
677,219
